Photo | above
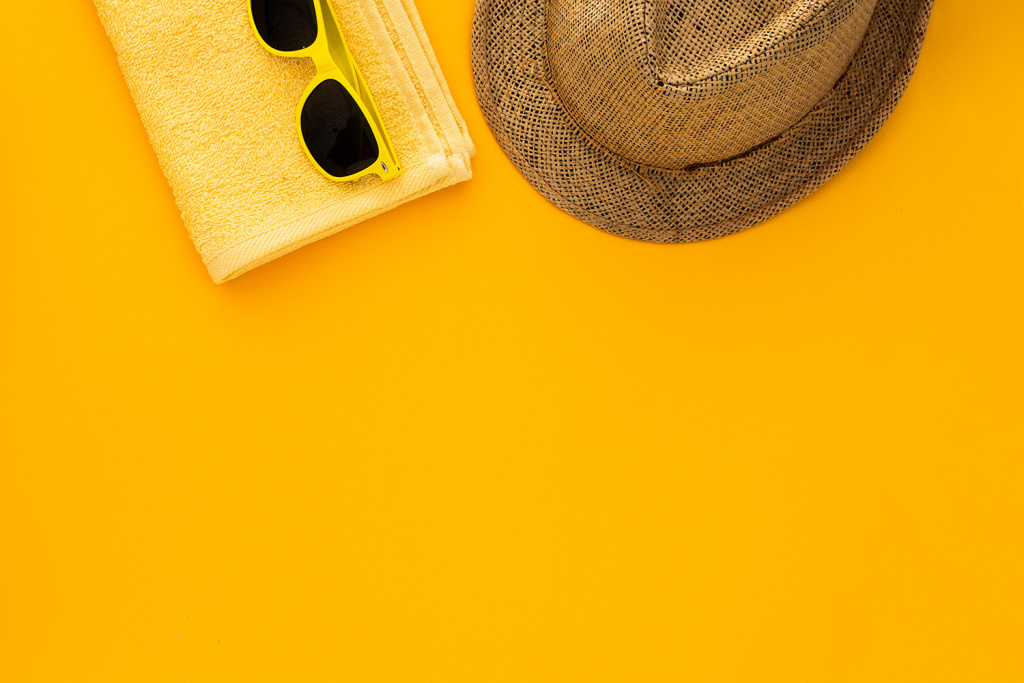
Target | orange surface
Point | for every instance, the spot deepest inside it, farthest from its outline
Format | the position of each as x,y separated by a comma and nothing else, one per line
476,440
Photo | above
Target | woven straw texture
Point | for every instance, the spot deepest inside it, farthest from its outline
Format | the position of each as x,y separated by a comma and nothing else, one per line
685,120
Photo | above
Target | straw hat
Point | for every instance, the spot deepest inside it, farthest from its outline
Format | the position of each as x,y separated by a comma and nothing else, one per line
684,120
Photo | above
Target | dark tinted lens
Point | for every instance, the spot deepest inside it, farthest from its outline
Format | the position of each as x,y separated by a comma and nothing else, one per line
285,25
336,131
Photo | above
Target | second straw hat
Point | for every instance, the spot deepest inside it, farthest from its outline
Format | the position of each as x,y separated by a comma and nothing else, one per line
684,120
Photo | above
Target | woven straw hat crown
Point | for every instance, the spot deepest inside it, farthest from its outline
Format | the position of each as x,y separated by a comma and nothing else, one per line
672,84
687,120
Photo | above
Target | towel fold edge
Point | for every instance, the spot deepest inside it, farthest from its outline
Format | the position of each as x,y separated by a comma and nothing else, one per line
433,174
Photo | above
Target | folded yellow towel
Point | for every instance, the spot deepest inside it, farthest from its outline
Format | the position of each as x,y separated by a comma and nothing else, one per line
220,112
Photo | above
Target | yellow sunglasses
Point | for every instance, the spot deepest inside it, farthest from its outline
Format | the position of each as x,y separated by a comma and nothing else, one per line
339,125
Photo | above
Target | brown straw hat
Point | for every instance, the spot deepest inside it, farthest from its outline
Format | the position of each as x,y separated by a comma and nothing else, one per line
685,120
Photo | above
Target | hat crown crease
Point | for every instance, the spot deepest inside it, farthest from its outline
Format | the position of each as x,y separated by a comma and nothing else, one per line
691,82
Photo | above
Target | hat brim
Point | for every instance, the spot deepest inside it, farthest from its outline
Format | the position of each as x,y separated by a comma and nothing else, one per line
714,200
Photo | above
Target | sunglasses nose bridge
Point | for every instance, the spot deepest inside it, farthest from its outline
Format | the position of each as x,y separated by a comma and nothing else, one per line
322,60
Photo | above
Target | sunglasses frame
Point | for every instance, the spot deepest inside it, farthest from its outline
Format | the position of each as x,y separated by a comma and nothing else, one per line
333,61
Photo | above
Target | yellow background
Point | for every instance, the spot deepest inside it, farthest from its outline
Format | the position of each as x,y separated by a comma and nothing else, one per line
476,440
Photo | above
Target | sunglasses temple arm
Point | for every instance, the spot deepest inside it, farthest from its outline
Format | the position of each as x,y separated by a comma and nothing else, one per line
371,108
336,43
345,62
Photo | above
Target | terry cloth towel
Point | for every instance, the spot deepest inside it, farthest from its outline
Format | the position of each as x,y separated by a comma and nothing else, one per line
220,112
